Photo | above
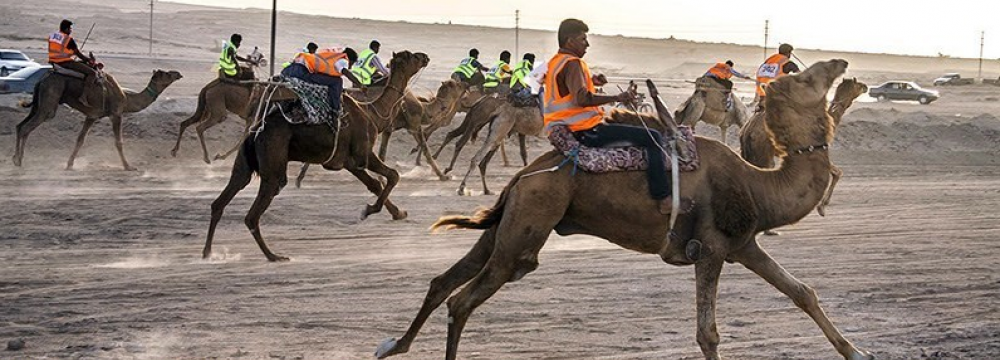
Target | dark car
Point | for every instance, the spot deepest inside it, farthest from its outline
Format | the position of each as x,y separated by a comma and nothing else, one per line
903,90
24,80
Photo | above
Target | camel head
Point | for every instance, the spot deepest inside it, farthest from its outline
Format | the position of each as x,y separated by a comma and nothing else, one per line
449,93
408,63
164,78
849,89
796,115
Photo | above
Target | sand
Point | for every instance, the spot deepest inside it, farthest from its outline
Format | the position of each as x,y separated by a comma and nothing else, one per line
99,263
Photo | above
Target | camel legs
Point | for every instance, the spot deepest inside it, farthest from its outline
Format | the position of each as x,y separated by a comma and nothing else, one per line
373,185
723,128
212,120
441,287
238,180
302,175
236,146
273,177
180,132
87,123
835,174
498,131
43,110
524,149
451,135
707,283
458,150
482,169
116,127
384,146
422,149
758,261
503,153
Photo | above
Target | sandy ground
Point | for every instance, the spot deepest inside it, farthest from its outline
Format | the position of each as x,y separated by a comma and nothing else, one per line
99,263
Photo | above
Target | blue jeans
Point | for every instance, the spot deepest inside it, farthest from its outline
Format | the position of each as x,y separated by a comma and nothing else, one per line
334,84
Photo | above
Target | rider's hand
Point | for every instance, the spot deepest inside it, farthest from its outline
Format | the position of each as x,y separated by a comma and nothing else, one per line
599,80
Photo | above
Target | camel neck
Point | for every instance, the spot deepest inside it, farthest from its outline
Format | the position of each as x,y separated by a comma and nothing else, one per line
135,102
388,100
786,195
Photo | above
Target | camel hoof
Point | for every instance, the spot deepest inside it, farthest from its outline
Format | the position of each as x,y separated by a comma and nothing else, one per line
821,210
131,168
207,161
862,355
220,157
772,233
444,177
487,192
277,258
462,192
401,215
446,171
387,348
173,153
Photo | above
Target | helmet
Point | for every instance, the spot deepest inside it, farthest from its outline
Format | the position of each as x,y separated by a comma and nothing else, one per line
785,49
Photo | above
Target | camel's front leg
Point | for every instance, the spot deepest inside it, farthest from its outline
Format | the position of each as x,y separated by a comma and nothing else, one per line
422,148
758,261
87,123
707,282
116,127
835,174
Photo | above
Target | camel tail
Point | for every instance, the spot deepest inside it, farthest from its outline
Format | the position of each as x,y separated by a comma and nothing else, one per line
482,220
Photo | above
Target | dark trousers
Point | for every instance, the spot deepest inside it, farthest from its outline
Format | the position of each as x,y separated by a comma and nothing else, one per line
651,140
334,84
90,75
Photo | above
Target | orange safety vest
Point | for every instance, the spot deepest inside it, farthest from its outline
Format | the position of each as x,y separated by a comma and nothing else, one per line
771,69
322,62
721,71
58,51
563,110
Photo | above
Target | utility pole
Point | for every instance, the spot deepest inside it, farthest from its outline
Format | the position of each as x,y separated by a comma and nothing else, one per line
517,34
766,23
151,27
982,41
274,24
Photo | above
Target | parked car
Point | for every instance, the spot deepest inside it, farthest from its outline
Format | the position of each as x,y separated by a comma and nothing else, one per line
13,60
903,90
24,80
953,79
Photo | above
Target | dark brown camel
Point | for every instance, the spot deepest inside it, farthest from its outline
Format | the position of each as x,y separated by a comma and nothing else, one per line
215,101
277,142
756,147
733,201
55,89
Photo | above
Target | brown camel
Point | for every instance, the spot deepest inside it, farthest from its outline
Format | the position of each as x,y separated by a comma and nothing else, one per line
277,142
733,201
756,148
708,104
422,116
477,118
55,89
215,101
504,121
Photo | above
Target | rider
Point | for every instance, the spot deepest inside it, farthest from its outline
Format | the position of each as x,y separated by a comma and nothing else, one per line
721,73
570,100
325,67
62,48
227,59
774,67
469,70
498,77
369,68
519,79
309,49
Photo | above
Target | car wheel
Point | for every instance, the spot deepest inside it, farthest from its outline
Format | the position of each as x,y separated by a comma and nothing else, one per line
3,72
882,98
924,100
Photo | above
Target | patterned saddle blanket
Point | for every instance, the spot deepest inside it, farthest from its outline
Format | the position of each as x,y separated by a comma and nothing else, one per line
611,159
312,101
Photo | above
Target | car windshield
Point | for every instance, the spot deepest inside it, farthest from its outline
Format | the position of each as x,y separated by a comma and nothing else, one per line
23,73
13,55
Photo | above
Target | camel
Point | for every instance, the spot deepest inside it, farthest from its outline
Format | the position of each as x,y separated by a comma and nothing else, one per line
708,105
477,118
504,121
215,101
277,142
733,200
55,89
419,116
756,148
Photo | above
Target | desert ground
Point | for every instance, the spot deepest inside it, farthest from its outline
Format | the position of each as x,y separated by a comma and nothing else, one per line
100,263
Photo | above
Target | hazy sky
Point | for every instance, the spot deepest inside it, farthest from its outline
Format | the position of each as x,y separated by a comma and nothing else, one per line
883,26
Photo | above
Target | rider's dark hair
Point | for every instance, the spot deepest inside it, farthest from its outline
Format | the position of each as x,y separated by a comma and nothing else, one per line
65,25
352,55
311,47
570,28
473,52
505,56
235,38
530,57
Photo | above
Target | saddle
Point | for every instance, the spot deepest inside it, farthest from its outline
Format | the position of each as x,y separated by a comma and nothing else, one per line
56,68
620,157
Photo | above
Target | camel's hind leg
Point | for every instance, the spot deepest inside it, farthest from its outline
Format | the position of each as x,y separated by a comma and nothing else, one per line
194,119
521,138
758,261
422,149
43,109
707,272
383,148
240,177
302,175
273,177
835,174
236,146
482,169
116,127
87,124
213,118
503,153
441,287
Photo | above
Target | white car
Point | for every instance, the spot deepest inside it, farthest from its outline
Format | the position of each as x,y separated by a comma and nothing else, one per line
13,60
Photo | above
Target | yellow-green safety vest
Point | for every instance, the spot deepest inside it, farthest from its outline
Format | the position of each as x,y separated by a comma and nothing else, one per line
521,74
466,68
228,65
495,75
364,68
